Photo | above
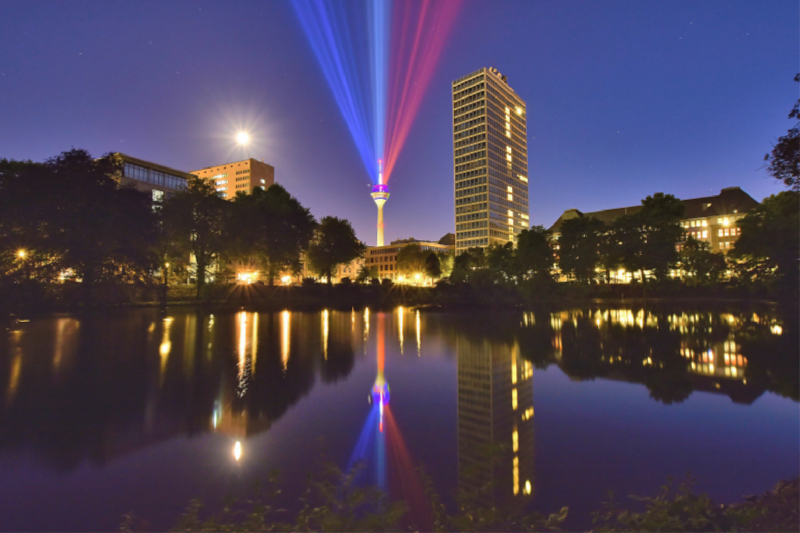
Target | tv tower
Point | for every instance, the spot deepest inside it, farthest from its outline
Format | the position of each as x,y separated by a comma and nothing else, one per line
380,193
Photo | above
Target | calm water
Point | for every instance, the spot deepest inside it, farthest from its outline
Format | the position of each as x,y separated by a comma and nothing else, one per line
141,411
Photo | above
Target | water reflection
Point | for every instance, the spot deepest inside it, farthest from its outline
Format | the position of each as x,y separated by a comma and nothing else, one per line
100,387
672,353
495,420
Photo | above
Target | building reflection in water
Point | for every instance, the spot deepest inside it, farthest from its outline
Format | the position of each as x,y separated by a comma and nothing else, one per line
495,422
673,353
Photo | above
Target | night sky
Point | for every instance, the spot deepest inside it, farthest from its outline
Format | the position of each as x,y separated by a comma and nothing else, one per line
624,99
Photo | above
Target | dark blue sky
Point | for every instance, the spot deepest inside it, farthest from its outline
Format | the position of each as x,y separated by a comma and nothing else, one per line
624,98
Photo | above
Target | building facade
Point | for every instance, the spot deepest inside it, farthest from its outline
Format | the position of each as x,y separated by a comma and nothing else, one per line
239,176
711,219
490,159
384,258
156,180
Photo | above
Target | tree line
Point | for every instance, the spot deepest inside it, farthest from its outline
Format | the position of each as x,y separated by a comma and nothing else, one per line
650,243
68,218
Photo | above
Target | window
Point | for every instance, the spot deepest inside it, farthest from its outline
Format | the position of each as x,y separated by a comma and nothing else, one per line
158,196
705,235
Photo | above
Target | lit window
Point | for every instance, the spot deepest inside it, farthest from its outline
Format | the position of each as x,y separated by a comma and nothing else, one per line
514,398
705,223
516,476
705,234
720,232
515,440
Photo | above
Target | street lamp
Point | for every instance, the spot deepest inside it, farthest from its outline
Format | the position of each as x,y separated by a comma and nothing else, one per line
22,254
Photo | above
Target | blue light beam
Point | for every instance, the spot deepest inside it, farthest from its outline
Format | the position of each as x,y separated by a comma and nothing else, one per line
332,39
379,11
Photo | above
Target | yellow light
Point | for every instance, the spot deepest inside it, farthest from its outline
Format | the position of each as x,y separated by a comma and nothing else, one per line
519,110
416,276
237,450
528,489
514,399
725,221
166,265
246,278
243,138
286,280
776,329
21,254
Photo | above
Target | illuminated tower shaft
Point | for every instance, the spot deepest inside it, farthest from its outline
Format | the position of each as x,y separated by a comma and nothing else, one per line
380,193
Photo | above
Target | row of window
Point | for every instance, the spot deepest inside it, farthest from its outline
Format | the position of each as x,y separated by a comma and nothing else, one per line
472,243
471,208
154,177
247,171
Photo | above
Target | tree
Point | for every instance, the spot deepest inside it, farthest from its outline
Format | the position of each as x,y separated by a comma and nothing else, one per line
702,265
769,245
534,255
465,263
411,260
198,217
433,268
580,244
783,163
335,243
270,227
500,259
446,263
367,272
660,219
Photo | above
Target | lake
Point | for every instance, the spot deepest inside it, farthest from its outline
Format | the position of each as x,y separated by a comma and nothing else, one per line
142,410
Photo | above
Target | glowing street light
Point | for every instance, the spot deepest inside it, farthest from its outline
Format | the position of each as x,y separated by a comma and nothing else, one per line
22,254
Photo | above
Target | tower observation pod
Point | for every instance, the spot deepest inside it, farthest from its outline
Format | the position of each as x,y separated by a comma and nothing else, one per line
380,193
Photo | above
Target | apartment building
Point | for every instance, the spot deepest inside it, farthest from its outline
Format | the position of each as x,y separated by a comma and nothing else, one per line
239,176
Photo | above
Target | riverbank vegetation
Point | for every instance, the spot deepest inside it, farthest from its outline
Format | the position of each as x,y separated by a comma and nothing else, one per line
333,502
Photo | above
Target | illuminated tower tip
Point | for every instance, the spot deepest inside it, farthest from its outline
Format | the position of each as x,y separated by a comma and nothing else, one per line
380,193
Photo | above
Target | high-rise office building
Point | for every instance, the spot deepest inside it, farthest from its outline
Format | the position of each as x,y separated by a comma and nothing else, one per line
490,151
239,176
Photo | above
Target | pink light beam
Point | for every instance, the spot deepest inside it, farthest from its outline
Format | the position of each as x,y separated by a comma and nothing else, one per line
414,65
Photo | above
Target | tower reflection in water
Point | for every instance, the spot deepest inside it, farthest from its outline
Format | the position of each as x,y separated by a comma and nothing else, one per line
495,422
380,456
